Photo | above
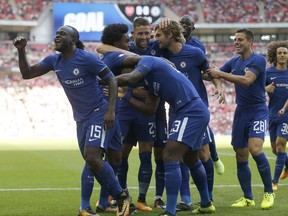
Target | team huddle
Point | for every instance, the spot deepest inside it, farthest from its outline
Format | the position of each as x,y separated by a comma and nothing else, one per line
118,101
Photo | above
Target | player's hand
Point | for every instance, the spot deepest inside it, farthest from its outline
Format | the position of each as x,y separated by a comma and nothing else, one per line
281,112
20,42
220,96
139,92
109,119
164,22
213,72
270,88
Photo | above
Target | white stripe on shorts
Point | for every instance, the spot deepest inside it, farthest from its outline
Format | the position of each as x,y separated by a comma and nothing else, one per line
182,129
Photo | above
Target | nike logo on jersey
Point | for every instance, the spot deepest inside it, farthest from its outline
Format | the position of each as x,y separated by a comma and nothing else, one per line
272,78
56,71
91,140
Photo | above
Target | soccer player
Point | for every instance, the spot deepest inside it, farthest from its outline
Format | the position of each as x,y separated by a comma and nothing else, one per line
77,71
190,61
187,24
142,45
247,72
277,88
115,35
186,132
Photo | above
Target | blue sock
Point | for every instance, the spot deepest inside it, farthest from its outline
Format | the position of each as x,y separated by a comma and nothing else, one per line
265,172
87,184
280,162
106,178
122,173
209,168
286,163
173,180
185,187
104,196
159,178
144,174
199,176
104,193
244,177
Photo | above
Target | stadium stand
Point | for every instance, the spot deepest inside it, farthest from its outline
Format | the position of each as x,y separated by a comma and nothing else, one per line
6,11
276,10
230,11
36,106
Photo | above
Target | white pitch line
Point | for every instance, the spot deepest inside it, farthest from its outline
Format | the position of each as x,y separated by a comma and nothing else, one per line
97,188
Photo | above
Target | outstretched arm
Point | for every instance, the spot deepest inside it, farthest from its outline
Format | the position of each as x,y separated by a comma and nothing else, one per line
245,80
129,78
27,71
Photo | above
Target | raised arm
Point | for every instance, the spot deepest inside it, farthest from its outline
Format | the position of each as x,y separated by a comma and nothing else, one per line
27,71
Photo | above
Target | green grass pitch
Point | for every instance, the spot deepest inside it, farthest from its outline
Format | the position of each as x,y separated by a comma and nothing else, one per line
43,178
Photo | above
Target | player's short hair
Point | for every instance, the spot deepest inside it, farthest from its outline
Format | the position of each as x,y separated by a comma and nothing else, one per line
173,28
249,34
140,21
75,34
272,50
113,33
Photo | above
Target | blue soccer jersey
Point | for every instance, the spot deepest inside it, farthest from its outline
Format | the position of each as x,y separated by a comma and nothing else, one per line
280,94
78,76
164,81
191,61
255,93
114,61
196,43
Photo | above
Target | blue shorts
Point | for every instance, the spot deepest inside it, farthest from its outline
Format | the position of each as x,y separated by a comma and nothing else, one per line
190,124
278,127
136,124
161,133
91,132
249,122
130,139
208,136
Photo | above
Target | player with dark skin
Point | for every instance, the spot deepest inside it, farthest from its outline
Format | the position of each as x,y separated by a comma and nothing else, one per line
91,112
